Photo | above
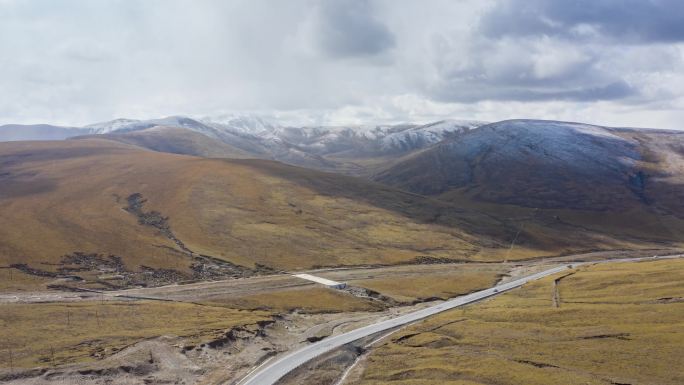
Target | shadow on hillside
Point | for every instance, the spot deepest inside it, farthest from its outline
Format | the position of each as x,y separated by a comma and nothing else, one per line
540,229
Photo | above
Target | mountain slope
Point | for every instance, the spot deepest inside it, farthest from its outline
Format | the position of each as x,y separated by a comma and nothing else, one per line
349,149
175,140
355,150
126,125
540,164
16,132
93,208
116,215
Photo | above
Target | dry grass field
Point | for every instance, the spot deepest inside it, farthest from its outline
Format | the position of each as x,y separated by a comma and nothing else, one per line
70,197
303,300
430,286
64,197
12,280
417,283
614,324
50,334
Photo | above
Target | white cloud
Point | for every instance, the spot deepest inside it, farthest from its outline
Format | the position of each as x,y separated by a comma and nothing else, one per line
334,62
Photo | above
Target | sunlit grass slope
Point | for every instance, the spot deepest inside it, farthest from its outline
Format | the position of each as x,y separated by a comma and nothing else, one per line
60,197
410,284
49,334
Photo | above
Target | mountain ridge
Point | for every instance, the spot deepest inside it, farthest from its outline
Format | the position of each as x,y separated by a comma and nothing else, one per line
346,149
544,164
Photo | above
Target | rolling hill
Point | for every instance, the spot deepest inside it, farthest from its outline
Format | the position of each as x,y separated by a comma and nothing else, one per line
175,140
130,208
117,214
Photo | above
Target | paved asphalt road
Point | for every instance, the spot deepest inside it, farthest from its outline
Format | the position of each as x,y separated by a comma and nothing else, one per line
269,374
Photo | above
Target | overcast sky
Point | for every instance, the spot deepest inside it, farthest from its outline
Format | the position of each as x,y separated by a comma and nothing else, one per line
611,62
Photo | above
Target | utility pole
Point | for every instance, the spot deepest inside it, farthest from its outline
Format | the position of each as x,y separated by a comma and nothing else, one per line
11,361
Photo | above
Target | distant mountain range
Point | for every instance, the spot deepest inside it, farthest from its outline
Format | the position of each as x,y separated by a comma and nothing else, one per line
148,191
532,163
335,148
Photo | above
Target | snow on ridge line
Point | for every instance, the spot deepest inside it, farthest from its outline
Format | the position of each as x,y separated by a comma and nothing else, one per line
252,123
582,128
430,133
111,126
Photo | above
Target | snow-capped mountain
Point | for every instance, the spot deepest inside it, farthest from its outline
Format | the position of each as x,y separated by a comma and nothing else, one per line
114,125
241,123
427,135
126,125
575,165
323,147
299,145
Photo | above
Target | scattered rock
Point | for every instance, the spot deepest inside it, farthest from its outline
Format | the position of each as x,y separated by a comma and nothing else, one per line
24,268
536,364
428,260
619,336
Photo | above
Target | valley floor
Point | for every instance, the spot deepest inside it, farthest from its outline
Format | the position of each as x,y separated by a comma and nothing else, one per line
204,332
216,332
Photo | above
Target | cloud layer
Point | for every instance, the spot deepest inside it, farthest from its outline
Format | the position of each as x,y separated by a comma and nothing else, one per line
614,62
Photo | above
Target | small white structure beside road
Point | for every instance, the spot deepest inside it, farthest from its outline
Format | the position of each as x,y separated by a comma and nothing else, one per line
322,281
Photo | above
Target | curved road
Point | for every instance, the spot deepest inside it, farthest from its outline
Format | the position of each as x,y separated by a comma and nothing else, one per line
269,374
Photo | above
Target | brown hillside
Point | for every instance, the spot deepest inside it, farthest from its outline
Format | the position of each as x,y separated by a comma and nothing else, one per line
118,214
102,198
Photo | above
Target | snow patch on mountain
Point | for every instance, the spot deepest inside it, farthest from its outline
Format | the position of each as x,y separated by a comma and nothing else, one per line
426,135
269,133
242,124
265,137
113,125
584,146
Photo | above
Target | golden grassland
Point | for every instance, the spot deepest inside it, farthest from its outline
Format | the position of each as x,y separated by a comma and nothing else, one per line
435,281
47,334
616,323
61,197
66,196
12,280
303,300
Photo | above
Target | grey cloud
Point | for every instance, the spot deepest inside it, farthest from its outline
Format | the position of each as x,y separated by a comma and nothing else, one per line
351,29
74,62
477,68
633,21
548,50
471,92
